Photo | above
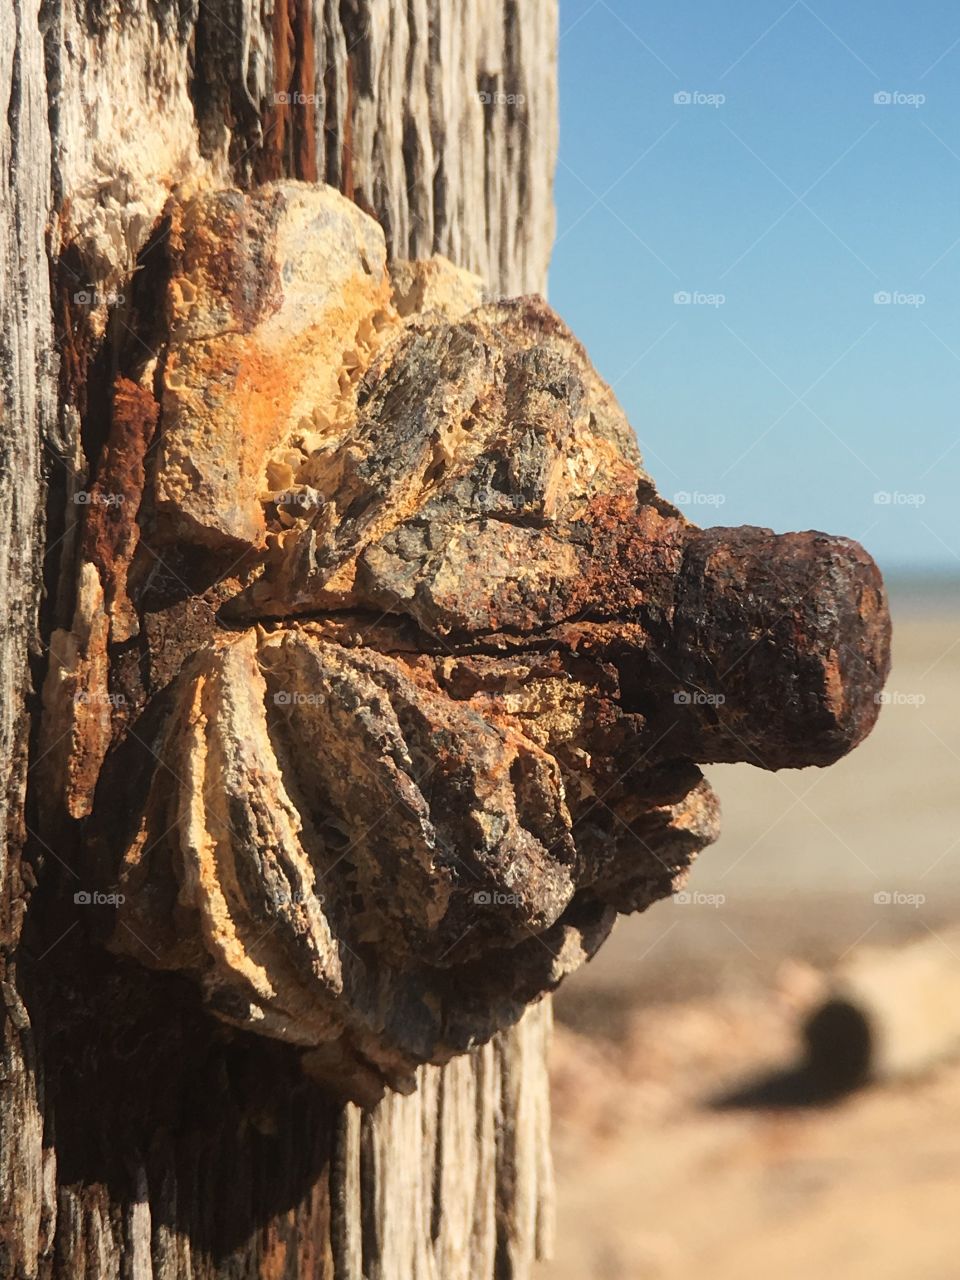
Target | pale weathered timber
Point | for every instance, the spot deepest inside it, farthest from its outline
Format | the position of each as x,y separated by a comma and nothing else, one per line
438,119
109,108
28,428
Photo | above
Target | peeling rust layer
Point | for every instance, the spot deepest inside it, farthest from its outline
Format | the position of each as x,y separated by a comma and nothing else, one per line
428,665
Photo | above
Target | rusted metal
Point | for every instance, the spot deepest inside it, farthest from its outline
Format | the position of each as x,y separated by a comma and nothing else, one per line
428,664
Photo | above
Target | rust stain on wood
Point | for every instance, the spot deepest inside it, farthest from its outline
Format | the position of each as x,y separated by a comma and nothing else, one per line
347,181
305,120
290,122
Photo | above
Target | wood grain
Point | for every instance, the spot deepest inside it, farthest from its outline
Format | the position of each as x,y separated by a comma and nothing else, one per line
190,1170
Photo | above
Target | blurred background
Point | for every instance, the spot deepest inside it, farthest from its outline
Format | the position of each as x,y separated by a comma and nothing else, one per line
758,242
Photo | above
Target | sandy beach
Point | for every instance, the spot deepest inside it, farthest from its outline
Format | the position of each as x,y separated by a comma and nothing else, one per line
695,996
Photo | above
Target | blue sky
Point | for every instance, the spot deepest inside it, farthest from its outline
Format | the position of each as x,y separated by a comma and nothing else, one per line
783,188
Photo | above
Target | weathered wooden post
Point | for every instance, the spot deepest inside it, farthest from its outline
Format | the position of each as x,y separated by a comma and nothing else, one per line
355,675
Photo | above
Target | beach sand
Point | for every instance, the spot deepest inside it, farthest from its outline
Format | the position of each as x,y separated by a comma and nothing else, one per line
692,997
